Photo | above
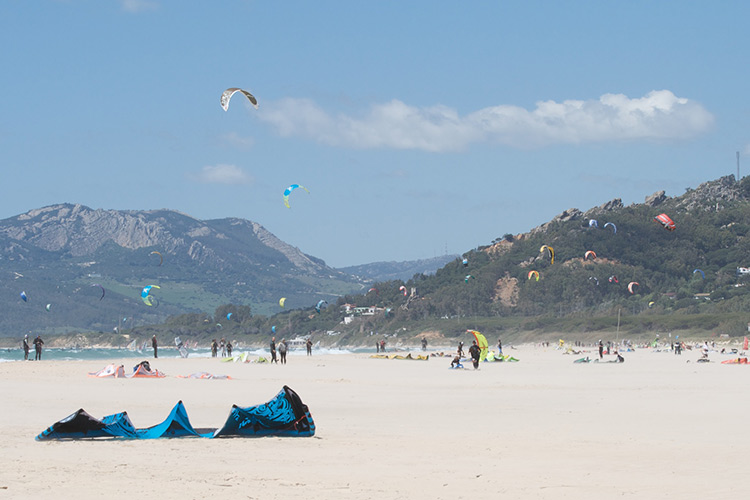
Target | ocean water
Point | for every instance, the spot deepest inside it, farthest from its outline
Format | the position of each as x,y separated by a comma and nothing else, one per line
72,354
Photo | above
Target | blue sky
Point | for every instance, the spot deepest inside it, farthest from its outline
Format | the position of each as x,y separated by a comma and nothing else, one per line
418,127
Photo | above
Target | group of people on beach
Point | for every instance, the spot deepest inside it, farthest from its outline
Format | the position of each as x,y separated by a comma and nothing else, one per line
38,343
225,346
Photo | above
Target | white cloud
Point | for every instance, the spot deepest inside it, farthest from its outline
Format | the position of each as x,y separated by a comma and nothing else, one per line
221,174
135,6
659,115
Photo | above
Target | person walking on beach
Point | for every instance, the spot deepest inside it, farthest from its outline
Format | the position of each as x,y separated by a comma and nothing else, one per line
273,350
155,345
26,348
229,348
601,349
214,348
460,352
308,344
38,343
474,353
499,347
282,351
223,346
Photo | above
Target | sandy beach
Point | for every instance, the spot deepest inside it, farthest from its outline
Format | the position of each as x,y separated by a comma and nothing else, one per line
655,426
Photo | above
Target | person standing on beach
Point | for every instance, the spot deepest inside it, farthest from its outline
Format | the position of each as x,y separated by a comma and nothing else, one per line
282,351
499,347
229,348
155,345
377,346
601,349
460,352
308,344
223,346
273,350
424,344
26,348
214,348
474,353
38,343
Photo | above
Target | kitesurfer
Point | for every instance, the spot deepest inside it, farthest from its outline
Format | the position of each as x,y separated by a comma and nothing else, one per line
308,344
474,353
26,348
155,345
273,350
38,343
424,344
282,351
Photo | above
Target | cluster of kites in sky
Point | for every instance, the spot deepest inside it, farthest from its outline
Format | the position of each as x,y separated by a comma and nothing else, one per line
147,292
590,255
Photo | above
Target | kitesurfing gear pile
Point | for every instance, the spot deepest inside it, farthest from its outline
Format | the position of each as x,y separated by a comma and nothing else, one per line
284,415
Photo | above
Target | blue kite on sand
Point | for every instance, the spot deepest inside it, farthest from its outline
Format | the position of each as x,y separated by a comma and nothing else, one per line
284,415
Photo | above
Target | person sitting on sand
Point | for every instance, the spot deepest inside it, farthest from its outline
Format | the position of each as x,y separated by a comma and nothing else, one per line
456,363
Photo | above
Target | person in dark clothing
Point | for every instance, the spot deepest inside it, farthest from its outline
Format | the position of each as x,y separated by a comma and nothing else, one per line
229,348
377,346
282,351
424,344
214,348
273,350
308,344
474,353
499,347
155,345
601,349
460,352
26,348
456,363
38,343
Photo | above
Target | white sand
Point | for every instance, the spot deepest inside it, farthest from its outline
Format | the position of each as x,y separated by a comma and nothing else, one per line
653,427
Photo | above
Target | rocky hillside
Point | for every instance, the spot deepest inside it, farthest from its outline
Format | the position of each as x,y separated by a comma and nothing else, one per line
56,253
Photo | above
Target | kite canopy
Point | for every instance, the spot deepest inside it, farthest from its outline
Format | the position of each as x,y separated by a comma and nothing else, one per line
289,190
161,257
481,342
589,254
610,224
533,273
284,415
594,223
666,222
282,300
632,285
703,275
402,289
146,296
24,297
228,93
551,252
320,305
102,288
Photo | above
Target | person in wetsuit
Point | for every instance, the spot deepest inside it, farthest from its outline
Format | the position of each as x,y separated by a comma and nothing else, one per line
474,353
273,350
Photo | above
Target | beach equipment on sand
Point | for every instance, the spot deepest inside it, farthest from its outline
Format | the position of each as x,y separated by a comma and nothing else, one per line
284,415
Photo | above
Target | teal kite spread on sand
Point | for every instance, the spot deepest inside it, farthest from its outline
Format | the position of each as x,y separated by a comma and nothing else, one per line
284,415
